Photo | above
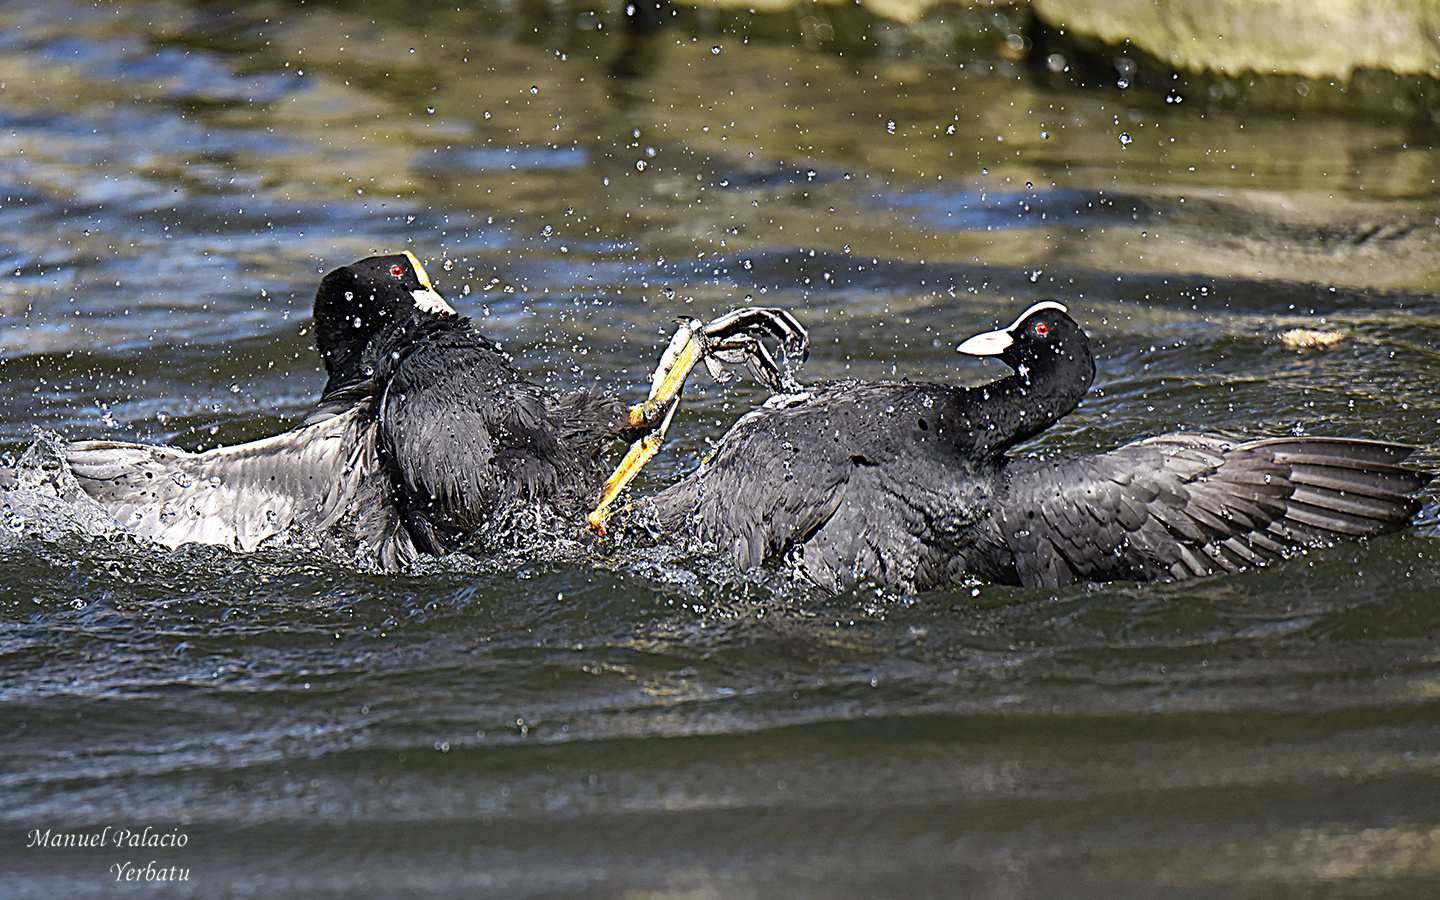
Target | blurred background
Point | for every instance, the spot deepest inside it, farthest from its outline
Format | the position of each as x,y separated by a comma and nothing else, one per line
1237,200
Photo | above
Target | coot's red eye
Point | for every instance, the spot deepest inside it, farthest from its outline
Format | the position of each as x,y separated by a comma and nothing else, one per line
396,271
1042,329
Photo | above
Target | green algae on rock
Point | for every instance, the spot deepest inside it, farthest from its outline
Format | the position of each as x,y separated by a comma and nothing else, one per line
1321,39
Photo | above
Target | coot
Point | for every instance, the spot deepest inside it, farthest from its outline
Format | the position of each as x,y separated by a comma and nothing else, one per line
909,485
424,436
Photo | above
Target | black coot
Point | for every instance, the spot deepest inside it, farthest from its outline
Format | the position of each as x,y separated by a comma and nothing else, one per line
908,485
424,436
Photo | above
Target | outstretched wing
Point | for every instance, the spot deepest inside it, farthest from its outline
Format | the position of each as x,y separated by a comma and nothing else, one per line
234,497
1185,505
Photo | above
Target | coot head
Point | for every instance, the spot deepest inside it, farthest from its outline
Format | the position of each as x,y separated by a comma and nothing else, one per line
1044,338
355,302
1053,369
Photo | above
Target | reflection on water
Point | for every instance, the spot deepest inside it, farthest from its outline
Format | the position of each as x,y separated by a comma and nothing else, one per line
175,177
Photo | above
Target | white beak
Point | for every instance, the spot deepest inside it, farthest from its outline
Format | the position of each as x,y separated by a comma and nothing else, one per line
994,343
991,343
427,298
431,301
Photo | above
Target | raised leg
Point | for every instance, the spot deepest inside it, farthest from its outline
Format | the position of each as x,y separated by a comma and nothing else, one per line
730,339
635,459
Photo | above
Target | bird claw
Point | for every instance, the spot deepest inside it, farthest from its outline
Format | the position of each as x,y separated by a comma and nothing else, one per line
738,337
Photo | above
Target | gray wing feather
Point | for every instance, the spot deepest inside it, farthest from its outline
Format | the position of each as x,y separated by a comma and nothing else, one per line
234,497
1188,505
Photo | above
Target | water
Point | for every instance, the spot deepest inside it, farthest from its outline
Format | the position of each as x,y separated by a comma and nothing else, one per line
175,177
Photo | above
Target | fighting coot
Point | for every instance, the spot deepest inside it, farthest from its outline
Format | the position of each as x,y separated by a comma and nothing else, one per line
424,435
909,485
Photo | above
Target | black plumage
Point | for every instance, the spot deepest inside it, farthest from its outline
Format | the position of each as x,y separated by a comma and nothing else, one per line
424,435
909,485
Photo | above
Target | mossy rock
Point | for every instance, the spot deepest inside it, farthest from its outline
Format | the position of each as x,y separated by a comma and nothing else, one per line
1318,39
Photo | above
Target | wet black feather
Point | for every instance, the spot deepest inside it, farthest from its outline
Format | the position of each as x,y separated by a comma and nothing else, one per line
424,434
848,485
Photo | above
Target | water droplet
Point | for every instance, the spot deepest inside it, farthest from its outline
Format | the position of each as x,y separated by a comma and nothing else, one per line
1125,139
715,49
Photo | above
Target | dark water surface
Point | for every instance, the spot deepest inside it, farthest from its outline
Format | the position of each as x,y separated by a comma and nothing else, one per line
175,177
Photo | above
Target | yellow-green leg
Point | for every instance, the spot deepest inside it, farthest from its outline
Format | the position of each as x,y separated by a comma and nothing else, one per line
732,338
655,413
